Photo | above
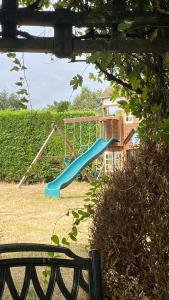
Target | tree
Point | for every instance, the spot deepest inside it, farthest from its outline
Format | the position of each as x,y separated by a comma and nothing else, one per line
59,106
9,101
143,78
87,100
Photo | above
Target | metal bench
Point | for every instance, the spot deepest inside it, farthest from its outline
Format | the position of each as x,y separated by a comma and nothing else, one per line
30,262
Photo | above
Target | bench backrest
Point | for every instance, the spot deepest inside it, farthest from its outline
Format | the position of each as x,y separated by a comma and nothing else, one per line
72,261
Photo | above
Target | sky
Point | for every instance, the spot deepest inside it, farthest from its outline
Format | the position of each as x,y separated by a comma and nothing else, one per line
48,77
47,80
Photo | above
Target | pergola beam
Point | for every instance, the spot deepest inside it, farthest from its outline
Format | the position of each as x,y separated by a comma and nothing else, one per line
23,16
65,43
46,45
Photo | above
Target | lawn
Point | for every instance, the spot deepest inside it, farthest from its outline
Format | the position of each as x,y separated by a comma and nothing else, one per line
27,216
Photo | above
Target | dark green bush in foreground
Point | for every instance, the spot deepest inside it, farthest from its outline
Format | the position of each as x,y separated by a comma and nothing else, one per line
131,228
21,136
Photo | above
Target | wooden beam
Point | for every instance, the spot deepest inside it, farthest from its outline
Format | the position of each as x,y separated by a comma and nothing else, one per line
27,17
46,45
89,119
58,17
122,46
37,157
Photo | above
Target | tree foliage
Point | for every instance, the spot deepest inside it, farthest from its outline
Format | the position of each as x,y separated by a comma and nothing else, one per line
87,99
59,106
143,78
9,101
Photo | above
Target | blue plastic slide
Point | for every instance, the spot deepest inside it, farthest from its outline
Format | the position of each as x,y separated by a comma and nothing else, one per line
67,176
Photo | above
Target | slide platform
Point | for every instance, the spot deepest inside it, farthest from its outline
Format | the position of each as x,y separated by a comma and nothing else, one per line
53,188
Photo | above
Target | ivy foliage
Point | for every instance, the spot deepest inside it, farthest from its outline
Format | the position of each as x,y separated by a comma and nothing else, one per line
22,134
21,83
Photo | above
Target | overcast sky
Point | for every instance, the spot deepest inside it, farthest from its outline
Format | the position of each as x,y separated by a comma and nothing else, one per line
48,79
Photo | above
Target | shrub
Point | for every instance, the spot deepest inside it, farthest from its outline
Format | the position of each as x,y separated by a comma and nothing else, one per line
21,136
131,228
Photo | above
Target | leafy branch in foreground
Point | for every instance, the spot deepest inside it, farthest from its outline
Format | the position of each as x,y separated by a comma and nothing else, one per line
81,215
21,83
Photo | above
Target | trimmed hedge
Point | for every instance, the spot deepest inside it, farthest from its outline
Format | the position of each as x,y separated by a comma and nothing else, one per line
21,136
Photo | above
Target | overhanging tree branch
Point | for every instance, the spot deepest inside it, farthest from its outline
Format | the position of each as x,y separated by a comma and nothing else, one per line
111,77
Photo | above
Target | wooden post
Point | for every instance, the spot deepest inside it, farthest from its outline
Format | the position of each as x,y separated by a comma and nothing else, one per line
38,155
63,43
9,27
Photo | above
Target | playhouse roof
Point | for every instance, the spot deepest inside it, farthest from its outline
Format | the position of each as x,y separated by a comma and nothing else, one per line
107,93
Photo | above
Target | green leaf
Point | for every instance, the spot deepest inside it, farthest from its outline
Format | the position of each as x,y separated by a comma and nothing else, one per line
55,239
87,199
65,242
74,230
11,55
19,83
75,214
76,81
127,24
46,273
23,68
92,77
22,91
73,238
77,222
24,100
51,254
16,61
15,68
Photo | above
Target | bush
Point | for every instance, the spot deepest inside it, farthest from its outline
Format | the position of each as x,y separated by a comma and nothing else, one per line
21,136
131,228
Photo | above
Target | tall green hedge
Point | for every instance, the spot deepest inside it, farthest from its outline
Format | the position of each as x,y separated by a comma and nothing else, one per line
22,134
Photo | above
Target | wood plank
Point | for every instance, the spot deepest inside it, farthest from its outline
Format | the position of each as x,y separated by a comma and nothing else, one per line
37,157
122,46
46,45
89,119
61,16
58,17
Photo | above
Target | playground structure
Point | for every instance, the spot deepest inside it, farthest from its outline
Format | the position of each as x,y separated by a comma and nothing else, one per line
122,125
115,150
73,153
113,123
68,175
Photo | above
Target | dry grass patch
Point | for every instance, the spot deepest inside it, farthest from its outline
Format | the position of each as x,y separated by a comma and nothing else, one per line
27,216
